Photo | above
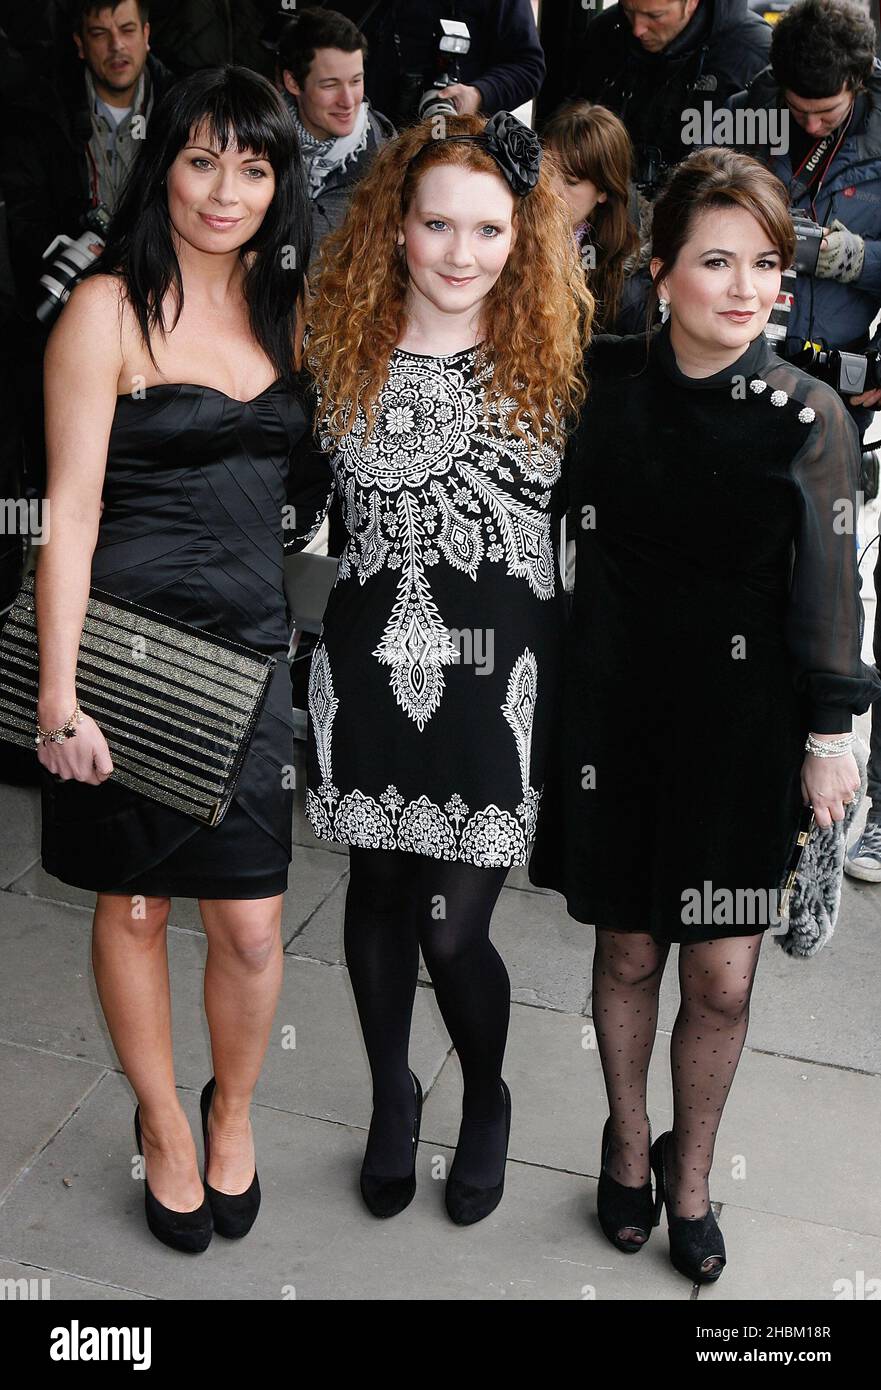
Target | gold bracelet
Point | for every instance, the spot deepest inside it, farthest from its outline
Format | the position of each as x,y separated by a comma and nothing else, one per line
64,731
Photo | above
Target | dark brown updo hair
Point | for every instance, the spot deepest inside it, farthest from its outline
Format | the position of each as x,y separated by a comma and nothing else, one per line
711,179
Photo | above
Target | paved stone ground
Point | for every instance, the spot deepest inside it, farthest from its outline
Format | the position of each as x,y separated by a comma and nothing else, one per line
795,1179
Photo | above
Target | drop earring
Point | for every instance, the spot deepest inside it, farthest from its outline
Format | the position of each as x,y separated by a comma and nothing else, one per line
664,309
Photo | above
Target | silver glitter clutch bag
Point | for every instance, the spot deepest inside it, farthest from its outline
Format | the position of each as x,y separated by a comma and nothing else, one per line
176,705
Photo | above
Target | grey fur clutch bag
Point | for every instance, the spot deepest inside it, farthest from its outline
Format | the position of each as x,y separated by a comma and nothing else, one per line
176,705
816,893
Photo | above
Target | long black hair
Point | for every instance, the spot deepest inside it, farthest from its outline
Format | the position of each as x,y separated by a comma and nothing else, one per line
235,106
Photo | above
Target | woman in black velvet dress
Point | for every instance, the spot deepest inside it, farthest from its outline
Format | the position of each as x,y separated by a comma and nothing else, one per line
716,623
170,395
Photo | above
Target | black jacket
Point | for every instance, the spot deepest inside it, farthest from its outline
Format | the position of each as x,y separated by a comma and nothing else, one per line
44,175
193,34
721,48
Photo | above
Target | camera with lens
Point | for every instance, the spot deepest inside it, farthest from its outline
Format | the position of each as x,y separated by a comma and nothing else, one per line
67,258
651,169
808,235
848,373
453,40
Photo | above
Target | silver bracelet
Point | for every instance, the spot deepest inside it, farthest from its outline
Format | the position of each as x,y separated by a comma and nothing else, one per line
829,748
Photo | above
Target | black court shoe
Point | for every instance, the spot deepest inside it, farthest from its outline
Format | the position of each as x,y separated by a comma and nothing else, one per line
234,1212
386,1197
189,1231
693,1239
466,1204
619,1207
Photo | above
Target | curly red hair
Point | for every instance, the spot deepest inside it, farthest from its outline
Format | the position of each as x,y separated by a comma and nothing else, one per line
536,319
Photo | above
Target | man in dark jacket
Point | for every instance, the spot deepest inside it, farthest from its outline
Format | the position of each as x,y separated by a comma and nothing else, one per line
651,60
321,65
66,149
825,79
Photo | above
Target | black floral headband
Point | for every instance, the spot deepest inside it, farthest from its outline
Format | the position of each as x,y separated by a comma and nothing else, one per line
514,147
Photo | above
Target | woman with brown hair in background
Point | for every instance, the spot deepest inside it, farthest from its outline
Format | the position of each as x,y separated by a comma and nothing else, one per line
593,160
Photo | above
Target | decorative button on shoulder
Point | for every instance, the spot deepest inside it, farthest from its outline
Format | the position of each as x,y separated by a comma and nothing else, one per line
758,386
779,398
807,414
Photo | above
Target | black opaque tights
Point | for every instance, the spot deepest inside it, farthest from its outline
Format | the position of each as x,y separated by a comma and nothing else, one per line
396,904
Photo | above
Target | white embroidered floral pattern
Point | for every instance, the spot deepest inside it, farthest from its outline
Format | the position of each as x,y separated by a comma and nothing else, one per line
490,837
438,480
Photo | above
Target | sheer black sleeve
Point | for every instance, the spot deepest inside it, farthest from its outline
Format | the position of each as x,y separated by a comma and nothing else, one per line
310,482
824,624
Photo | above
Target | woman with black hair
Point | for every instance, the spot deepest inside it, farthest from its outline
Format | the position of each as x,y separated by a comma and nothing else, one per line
170,395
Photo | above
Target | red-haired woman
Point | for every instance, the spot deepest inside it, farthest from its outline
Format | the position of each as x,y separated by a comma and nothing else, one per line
446,344
593,160
715,639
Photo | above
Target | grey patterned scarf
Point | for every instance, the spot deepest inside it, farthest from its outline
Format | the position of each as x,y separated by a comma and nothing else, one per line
322,158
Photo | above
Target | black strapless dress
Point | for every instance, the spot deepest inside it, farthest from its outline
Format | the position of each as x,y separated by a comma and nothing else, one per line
192,526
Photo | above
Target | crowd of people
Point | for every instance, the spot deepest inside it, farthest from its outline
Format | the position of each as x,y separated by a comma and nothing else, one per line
312,265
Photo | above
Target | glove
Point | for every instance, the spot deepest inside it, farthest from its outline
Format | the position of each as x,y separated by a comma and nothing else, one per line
842,259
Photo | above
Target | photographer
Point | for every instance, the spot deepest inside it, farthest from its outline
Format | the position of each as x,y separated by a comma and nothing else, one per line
68,149
826,80
650,60
65,150
503,68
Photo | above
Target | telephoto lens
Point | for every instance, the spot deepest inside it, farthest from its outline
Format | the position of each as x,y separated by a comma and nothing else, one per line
808,235
71,257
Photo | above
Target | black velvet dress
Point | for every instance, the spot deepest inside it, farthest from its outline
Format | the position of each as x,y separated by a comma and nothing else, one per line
193,526
716,619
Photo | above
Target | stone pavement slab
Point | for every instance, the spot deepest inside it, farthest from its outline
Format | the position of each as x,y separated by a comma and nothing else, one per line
60,1286
775,1258
38,1094
20,840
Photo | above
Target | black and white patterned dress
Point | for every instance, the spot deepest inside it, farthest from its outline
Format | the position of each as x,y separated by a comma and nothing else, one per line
433,682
